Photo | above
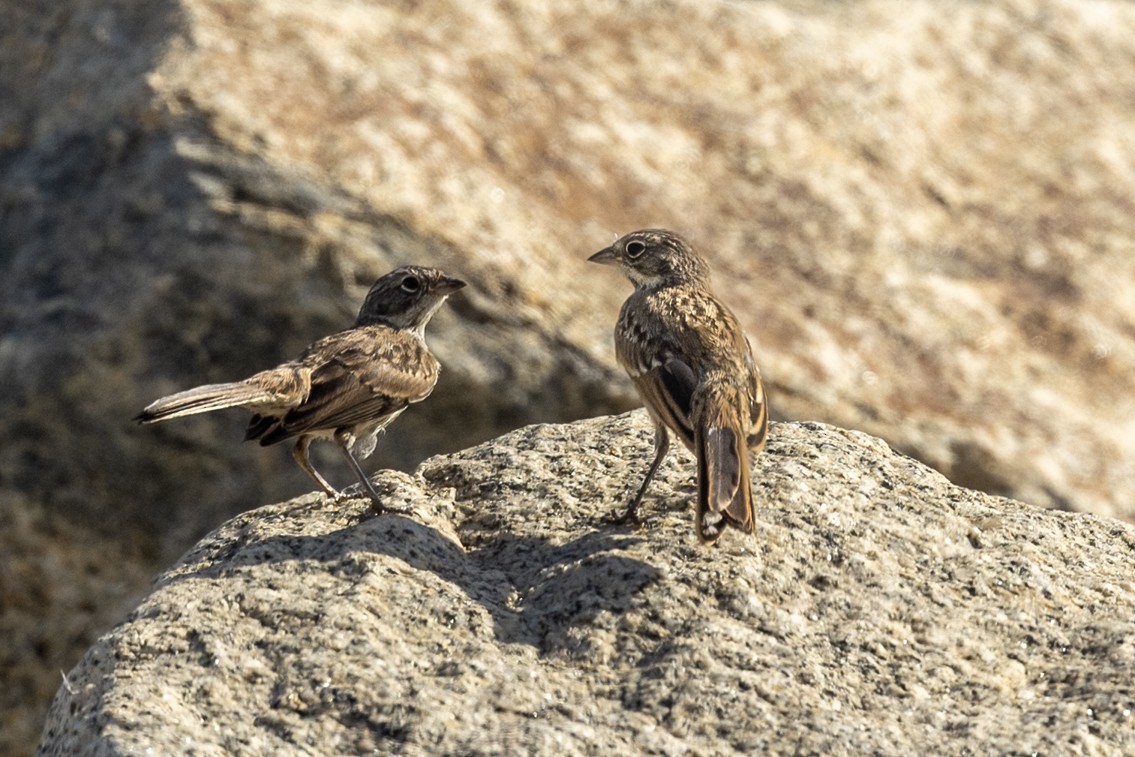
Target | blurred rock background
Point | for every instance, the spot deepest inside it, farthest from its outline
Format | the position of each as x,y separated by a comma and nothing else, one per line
923,212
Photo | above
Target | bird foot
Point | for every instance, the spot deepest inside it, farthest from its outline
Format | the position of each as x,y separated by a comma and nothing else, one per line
627,518
377,508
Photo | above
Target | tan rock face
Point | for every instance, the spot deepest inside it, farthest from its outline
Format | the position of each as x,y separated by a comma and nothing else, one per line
924,217
878,609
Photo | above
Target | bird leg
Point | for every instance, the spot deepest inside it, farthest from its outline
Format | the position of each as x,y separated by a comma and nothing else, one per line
299,452
344,440
661,446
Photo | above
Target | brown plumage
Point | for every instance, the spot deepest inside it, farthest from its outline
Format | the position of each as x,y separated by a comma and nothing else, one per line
348,386
693,368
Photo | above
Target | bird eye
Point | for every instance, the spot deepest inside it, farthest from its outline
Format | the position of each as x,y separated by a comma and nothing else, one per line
411,285
634,249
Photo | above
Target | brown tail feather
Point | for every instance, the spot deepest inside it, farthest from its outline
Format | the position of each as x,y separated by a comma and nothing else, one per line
203,399
724,496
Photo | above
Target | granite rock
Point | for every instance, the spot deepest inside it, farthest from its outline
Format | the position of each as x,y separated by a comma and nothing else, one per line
878,609
923,214
194,190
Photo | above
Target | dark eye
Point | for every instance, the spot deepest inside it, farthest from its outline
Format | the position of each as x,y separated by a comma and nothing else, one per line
411,284
634,249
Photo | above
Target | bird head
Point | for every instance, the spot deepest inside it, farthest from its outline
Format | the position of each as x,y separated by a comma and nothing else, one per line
407,297
655,257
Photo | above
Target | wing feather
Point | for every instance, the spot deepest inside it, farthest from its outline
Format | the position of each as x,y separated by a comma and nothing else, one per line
363,377
663,378
693,367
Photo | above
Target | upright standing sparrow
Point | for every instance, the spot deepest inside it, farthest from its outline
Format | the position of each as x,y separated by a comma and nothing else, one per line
348,386
694,370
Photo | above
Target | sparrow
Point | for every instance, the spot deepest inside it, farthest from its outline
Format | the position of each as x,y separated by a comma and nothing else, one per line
348,386
693,367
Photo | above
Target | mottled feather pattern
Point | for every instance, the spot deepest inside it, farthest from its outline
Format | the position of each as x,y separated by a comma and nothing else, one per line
657,326
693,367
347,386
358,375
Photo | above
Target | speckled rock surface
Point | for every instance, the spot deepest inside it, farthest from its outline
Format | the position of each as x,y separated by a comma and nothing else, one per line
878,609
924,215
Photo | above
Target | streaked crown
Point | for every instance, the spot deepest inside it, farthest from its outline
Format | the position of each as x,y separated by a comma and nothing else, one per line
655,257
407,297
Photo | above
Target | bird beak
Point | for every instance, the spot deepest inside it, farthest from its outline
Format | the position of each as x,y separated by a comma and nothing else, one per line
605,256
448,285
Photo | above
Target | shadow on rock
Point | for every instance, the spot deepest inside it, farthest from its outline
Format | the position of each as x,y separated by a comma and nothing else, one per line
532,587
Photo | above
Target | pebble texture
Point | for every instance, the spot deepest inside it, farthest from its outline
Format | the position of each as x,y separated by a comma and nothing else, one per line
878,609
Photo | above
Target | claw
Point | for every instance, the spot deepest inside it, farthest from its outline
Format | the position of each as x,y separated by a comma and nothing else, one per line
628,517
380,509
